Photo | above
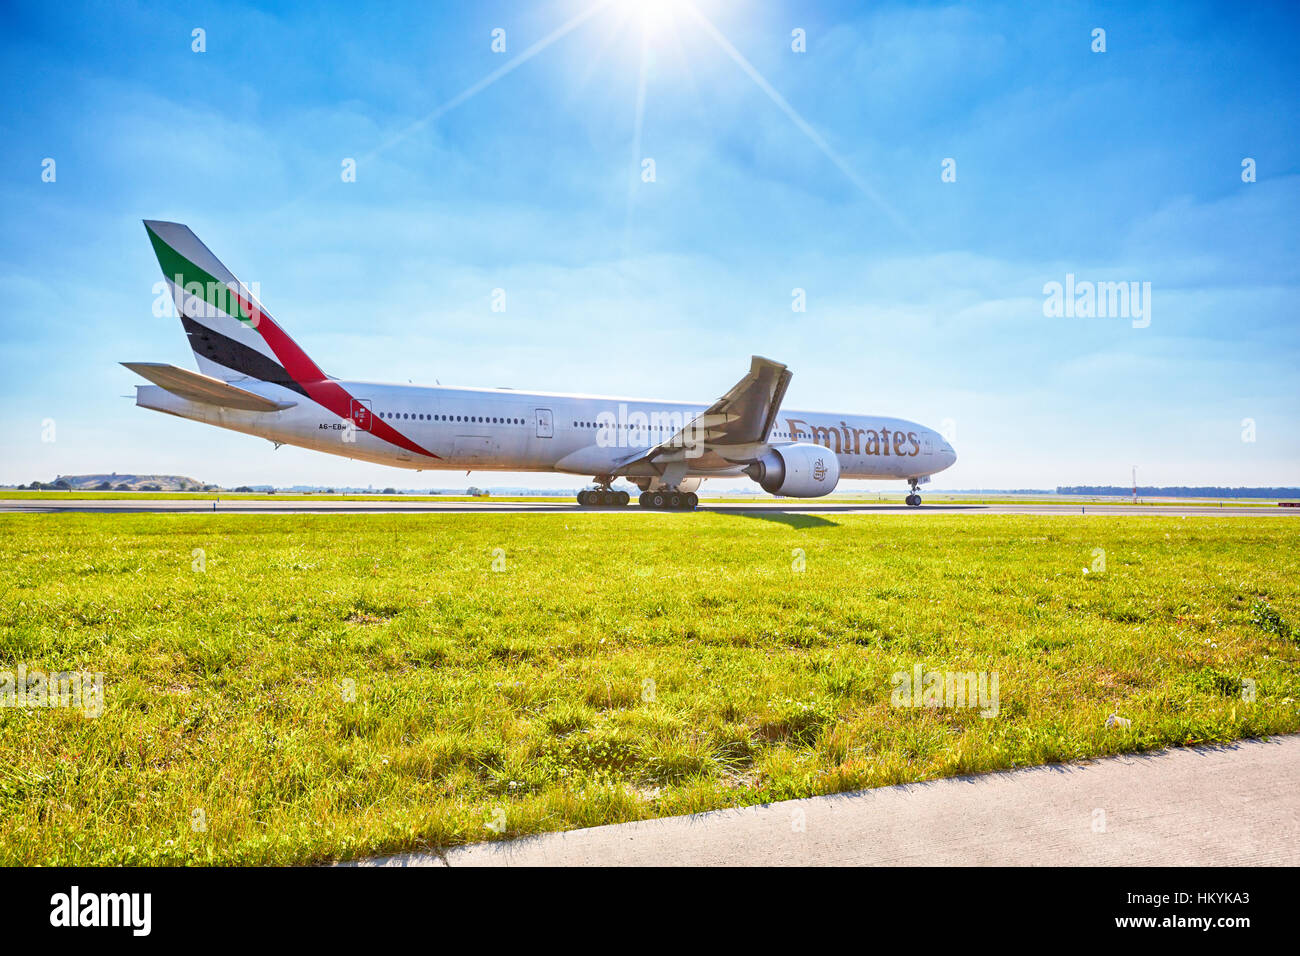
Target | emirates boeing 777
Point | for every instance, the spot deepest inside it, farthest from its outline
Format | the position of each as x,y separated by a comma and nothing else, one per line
254,379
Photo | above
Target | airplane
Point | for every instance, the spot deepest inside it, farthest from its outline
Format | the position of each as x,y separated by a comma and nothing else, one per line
254,379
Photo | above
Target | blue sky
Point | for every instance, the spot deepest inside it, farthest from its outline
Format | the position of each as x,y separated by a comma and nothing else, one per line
924,298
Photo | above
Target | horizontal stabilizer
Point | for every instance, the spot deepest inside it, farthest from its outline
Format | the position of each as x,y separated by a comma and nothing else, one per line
204,388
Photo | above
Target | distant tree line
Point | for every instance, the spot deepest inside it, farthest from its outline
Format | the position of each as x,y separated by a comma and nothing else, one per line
1181,491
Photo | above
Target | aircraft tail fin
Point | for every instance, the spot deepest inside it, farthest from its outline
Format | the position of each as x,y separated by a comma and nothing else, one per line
232,336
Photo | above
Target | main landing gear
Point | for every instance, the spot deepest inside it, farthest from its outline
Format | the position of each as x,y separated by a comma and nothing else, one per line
603,497
669,500
913,500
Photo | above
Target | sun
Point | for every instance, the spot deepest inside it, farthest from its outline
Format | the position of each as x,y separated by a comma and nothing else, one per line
654,15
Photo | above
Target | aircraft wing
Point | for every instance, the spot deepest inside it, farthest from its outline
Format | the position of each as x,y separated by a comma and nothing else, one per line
730,430
204,388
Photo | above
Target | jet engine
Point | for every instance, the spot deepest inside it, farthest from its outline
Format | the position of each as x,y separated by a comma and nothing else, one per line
799,471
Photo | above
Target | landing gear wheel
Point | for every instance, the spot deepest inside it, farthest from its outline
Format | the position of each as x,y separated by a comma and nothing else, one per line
582,498
669,500
623,498
914,500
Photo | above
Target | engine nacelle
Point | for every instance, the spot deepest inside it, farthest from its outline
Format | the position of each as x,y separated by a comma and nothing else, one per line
799,471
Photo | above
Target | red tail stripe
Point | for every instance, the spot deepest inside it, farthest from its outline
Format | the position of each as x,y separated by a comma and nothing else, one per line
320,388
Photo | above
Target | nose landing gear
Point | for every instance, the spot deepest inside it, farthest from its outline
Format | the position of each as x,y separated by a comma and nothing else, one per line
913,500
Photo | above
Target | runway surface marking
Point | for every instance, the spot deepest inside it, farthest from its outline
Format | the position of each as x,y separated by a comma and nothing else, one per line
238,506
1236,805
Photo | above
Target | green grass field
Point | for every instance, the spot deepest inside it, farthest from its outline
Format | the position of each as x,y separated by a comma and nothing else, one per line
291,689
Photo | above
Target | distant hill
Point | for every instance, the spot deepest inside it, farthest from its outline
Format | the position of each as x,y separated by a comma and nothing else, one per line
115,482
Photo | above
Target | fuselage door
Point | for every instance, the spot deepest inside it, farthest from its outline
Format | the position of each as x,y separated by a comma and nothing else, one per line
928,444
361,413
545,423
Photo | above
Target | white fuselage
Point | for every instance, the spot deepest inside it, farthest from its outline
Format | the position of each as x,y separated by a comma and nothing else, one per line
486,429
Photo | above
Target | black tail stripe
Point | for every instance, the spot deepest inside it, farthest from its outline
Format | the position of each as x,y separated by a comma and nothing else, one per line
236,355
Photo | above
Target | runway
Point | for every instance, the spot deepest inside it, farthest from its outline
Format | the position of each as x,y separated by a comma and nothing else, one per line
761,506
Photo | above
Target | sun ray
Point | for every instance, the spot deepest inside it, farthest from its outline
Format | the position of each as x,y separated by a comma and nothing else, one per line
457,100
637,126
752,72
597,58
471,91
684,63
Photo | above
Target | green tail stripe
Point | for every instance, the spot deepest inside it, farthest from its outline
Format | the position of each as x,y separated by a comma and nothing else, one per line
185,273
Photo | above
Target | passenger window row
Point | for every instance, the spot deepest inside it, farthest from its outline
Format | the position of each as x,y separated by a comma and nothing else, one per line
484,419
636,428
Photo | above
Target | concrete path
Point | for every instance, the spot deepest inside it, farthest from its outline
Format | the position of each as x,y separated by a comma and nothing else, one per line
1237,805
